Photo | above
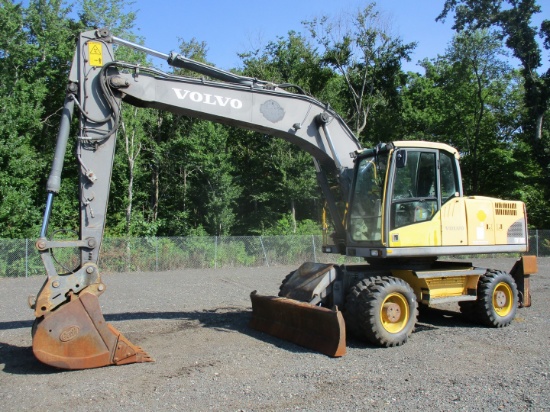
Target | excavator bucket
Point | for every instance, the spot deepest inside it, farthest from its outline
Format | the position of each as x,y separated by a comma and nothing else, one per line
313,327
76,336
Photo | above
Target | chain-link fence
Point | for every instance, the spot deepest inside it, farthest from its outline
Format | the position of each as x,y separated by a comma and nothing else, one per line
19,257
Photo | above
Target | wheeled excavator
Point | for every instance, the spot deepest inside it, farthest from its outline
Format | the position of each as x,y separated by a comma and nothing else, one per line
398,207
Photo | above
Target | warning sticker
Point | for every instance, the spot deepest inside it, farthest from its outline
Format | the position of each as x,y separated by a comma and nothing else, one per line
95,51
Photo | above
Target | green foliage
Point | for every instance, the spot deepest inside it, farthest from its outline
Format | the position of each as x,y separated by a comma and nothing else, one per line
462,100
34,51
285,226
512,21
280,177
117,15
175,175
368,59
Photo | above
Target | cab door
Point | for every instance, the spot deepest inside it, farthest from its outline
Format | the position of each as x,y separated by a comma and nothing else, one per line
415,201
453,208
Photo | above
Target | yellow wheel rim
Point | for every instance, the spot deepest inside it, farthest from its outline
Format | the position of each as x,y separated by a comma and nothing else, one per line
394,312
503,299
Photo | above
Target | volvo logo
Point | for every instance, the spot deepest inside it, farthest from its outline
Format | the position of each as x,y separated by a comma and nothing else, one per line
69,333
205,98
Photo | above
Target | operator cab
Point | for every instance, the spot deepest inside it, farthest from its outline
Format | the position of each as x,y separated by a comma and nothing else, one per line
398,188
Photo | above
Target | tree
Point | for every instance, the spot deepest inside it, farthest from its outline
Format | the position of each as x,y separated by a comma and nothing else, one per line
469,99
512,20
367,57
191,168
478,74
167,165
283,176
214,191
117,15
35,48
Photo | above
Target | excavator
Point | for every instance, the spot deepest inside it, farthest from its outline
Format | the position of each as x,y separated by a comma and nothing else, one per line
397,206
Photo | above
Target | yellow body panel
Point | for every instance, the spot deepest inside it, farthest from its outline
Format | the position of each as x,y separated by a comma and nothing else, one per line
472,221
480,218
451,286
426,233
495,221
454,230
427,289
509,222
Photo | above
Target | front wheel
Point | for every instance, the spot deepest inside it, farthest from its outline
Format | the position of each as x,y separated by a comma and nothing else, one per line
383,310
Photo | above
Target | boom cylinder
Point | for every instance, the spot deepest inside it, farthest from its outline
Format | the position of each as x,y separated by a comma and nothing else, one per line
54,181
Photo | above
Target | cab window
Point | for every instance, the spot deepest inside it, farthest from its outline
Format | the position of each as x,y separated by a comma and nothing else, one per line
448,177
415,189
365,221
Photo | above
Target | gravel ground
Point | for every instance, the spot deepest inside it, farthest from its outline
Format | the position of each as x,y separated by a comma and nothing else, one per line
194,323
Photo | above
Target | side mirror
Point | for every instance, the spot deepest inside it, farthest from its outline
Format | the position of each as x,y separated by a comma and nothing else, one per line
401,158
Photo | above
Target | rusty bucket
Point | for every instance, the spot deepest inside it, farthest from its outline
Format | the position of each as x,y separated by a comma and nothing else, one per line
76,336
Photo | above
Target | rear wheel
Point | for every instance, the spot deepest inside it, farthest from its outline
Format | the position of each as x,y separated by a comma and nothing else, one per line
497,299
382,310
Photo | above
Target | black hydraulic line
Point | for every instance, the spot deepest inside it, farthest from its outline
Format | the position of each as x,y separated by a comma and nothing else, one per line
177,60
182,62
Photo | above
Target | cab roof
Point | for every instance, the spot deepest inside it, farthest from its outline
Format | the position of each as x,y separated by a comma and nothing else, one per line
427,145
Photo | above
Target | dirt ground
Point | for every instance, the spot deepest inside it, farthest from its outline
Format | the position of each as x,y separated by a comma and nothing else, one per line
195,324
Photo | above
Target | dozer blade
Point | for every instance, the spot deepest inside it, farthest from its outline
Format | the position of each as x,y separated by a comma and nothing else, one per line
313,327
76,336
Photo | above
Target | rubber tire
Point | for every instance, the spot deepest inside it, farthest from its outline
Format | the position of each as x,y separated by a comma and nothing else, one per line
353,307
364,310
483,310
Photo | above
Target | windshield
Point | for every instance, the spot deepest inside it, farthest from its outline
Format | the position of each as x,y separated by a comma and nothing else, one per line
366,209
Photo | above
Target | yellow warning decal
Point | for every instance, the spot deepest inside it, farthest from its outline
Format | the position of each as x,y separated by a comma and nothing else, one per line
95,51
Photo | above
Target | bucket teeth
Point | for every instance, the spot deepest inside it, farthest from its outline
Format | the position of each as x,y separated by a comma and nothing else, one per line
126,352
313,327
76,336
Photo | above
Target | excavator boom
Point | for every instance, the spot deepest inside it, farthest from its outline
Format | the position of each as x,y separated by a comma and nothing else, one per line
70,331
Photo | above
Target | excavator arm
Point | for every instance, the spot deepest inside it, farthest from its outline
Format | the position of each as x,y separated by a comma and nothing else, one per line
70,331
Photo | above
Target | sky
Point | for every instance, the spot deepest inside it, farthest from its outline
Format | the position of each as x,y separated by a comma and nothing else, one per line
229,27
